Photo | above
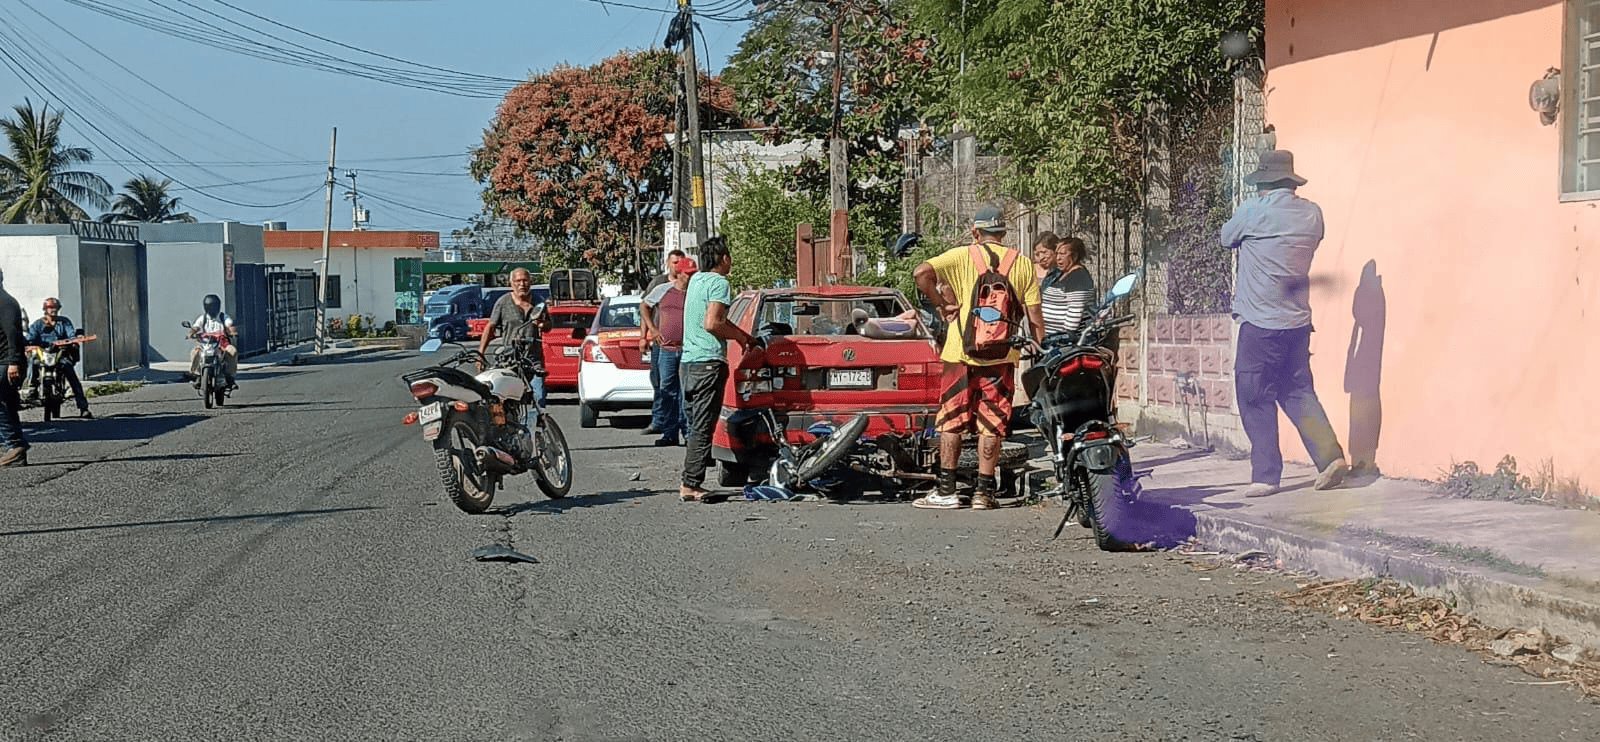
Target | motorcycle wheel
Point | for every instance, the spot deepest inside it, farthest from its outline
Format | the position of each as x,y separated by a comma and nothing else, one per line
1110,509
221,395
471,489
52,410
205,387
554,471
834,448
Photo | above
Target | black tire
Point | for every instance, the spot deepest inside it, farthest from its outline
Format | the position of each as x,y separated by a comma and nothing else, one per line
221,394
469,488
834,448
1012,454
732,475
52,410
205,387
551,444
1110,511
587,416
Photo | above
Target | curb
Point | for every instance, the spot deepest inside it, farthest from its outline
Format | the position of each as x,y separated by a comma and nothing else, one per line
1495,597
311,358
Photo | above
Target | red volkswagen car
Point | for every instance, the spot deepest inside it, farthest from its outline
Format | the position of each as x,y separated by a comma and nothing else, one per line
833,351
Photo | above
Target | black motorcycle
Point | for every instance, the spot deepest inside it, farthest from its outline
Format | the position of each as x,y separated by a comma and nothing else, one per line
1072,387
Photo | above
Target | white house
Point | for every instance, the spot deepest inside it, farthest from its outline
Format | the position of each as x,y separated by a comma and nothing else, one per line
361,264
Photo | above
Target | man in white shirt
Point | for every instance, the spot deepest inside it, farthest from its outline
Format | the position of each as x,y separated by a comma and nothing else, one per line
214,321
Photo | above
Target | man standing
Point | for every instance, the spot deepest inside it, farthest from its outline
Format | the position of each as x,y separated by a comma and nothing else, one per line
1277,233
978,386
656,420
46,330
13,447
662,315
516,317
706,330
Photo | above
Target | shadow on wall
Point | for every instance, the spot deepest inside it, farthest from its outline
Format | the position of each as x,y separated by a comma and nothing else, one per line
1363,369
1310,30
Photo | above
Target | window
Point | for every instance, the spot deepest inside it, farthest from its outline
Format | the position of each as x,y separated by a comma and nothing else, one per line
802,315
619,316
331,295
1580,100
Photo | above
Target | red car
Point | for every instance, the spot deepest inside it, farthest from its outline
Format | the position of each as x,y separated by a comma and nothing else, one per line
833,352
563,342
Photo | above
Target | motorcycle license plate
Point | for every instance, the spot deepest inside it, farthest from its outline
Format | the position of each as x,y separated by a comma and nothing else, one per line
850,378
430,413
571,351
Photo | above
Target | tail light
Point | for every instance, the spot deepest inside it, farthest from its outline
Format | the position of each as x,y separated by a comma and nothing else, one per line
1081,363
424,389
593,353
409,419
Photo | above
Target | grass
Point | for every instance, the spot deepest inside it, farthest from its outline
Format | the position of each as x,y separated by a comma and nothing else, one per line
1459,552
1468,481
110,387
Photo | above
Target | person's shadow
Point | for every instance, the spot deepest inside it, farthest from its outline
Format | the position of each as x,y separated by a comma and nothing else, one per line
1363,371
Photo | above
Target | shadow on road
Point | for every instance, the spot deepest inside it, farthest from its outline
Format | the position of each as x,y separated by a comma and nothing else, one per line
181,521
564,504
1190,455
124,459
127,426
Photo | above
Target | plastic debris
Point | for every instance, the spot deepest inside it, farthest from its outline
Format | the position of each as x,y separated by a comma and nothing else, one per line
501,553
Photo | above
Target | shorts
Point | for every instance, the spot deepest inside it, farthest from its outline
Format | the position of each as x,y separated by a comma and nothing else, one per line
976,398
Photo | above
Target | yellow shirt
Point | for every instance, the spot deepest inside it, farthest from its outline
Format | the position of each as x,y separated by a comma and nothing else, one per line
956,269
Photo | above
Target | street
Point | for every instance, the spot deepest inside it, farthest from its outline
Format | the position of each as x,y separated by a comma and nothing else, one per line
286,568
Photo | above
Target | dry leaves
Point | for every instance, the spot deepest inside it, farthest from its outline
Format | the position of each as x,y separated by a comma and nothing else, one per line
1387,603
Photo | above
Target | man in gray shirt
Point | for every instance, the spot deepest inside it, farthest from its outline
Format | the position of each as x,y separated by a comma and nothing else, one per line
1277,233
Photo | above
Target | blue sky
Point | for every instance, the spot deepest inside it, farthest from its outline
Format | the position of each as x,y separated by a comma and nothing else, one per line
275,119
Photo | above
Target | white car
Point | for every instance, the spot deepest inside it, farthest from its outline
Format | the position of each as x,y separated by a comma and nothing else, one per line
612,373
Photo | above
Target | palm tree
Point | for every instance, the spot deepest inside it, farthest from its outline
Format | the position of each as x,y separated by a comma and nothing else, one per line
145,199
37,184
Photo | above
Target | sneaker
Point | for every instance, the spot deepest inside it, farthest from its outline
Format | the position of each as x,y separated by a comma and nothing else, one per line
651,430
85,413
666,442
984,501
1260,489
1332,475
937,502
14,457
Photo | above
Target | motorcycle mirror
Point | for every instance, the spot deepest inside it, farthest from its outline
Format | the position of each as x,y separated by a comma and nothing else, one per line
78,334
905,244
431,345
1124,285
186,324
987,314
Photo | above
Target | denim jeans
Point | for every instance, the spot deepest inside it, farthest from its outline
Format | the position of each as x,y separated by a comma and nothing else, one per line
666,412
10,421
1273,370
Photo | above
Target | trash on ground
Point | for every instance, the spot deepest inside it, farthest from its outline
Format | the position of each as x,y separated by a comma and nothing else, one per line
501,553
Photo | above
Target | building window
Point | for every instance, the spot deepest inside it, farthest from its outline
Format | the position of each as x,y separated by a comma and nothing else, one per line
332,293
1581,100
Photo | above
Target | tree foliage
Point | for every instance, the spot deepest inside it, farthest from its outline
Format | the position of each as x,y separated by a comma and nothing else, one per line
38,182
145,199
578,156
759,223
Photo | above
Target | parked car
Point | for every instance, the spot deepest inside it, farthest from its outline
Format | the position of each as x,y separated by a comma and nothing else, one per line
832,352
563,343
613,374
476,325
447,312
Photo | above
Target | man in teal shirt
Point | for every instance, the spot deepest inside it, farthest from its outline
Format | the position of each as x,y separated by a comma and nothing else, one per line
704,369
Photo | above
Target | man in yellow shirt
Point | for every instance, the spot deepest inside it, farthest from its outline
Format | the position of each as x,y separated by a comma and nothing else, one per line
977,392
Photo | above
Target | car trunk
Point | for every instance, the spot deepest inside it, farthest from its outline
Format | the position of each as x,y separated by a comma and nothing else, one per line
622,347
841,372
564,341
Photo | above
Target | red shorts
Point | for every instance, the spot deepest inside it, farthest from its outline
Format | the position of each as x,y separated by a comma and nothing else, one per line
976,398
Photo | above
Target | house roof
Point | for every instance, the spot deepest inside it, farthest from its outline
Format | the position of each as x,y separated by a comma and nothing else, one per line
367,238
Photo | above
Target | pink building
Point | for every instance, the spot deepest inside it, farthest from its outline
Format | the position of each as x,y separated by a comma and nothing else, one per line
1463,231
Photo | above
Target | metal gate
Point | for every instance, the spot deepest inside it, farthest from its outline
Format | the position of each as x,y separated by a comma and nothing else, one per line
291,307
111,277
251,307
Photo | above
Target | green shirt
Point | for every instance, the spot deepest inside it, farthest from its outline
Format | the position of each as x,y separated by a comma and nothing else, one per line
700,346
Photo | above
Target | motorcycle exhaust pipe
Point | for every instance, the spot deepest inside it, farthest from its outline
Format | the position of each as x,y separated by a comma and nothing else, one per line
495,460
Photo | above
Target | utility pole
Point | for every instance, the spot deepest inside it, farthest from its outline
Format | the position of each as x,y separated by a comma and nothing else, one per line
838,156
327,229
691,92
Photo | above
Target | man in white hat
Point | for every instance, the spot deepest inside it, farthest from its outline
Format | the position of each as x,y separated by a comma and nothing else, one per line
1277,233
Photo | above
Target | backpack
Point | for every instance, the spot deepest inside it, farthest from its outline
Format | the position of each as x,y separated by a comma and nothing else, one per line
991,341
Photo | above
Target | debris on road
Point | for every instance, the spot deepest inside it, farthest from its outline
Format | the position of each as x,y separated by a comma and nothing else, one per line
501,553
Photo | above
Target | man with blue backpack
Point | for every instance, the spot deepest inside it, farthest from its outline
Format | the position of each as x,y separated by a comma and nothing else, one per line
979,360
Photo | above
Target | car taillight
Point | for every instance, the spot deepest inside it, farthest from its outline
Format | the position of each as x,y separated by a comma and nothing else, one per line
1081,363
593,353
424,389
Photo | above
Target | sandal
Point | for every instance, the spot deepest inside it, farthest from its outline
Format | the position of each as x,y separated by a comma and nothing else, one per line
695,496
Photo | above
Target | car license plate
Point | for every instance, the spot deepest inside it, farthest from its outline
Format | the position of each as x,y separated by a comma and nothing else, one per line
430,413
571,350
850,378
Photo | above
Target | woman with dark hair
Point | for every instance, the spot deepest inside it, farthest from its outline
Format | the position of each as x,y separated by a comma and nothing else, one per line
1068,290
1044,253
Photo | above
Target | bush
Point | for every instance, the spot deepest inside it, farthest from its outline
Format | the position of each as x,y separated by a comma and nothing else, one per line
759,225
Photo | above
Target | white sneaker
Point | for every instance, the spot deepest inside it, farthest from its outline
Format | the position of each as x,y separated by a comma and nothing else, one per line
937,501
1259,489
1332,475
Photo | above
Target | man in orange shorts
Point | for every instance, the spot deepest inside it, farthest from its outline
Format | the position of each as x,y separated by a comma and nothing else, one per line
978,379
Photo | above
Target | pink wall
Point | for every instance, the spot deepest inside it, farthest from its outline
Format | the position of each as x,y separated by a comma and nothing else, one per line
1410,118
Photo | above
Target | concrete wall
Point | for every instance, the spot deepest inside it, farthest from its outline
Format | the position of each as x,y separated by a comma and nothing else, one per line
42,266
366,275
1448,242
181,274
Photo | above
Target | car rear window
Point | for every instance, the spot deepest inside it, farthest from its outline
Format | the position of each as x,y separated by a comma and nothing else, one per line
620,316
801,315
567,320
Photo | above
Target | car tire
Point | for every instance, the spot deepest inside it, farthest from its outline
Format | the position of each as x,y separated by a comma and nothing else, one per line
588,417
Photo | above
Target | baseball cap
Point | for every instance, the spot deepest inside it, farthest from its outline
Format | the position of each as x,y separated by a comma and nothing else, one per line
685,265
989,219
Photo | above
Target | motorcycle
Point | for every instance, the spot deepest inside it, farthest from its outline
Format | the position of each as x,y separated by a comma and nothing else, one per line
488,426
213,381
1071,384
50,360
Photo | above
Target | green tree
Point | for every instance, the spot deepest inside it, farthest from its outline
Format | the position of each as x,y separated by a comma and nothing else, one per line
38,184
145,199
759,223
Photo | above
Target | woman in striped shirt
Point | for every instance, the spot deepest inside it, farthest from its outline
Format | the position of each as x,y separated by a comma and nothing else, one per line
1068,291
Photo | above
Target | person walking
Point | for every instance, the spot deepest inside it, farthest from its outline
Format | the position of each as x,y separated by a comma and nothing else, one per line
13,446
704,364
979,363
661,313
1277,234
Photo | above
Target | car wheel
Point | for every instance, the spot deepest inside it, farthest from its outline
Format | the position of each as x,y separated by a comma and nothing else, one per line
588,417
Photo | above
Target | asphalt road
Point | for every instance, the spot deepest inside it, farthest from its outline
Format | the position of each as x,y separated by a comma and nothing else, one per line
287,568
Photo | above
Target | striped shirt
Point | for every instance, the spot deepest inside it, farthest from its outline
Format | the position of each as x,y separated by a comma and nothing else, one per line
1067,300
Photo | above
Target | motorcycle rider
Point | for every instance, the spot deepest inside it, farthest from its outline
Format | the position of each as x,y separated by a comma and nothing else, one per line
213,320
54,326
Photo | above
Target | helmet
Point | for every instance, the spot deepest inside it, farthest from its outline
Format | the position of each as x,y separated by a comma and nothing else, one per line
52,302
212,305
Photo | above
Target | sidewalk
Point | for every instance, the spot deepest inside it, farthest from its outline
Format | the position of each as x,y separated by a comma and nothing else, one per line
1510,564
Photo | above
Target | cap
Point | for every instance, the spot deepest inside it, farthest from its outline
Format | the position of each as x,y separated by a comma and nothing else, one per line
989,219
685,265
